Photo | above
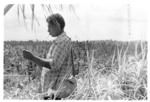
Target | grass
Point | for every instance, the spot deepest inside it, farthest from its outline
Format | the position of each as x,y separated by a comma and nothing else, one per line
125,78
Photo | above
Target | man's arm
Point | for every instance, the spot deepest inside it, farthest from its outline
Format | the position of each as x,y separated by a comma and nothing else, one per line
40,61
60,52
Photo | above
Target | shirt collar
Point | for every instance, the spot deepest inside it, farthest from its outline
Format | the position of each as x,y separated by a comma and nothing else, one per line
60,38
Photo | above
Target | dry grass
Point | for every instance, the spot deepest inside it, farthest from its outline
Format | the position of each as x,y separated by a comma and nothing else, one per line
125,79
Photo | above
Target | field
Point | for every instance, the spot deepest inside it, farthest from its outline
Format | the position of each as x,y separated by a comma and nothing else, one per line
108,70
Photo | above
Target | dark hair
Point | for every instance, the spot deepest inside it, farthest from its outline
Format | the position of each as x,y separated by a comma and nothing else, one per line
56,18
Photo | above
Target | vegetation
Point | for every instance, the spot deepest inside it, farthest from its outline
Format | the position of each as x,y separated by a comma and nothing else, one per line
108,70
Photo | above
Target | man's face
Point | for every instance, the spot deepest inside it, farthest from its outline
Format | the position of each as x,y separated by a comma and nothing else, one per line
53,29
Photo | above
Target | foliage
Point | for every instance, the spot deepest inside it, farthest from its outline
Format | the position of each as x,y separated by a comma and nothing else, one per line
108,70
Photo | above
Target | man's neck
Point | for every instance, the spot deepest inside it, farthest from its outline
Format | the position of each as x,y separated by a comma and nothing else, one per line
60,34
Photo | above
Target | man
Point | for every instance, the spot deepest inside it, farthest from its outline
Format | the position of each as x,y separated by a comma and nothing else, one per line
56,67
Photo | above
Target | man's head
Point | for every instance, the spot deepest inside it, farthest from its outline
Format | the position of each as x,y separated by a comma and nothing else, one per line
56,24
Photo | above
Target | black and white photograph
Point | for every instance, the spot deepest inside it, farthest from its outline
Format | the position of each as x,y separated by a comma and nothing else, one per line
75,51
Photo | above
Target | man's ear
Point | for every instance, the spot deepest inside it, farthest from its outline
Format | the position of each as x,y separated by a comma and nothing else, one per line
59,27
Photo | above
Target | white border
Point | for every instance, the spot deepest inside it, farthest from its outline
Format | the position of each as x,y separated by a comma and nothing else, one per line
146,3
1,49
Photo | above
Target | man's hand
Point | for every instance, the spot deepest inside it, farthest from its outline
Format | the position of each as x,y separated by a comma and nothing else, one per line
39,61
28,55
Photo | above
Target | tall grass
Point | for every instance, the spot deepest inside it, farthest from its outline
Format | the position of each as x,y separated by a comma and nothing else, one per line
124,79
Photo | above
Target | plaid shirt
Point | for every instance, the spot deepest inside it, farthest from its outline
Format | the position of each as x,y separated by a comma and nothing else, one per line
59,56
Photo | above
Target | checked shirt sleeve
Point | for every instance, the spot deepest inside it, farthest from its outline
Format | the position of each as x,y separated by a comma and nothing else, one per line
59,54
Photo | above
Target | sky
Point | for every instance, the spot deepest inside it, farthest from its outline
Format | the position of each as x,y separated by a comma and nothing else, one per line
91,21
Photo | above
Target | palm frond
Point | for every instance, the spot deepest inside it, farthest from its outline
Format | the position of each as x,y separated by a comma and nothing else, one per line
43,7
72,8
33,14
61,6
47,9
23,12
50,9
18,11
7,8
